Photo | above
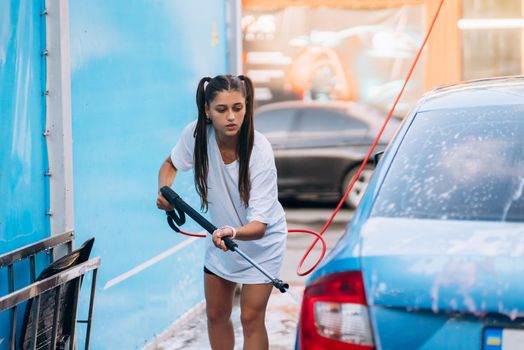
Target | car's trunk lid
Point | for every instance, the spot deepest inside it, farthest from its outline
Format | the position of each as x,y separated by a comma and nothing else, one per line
439,265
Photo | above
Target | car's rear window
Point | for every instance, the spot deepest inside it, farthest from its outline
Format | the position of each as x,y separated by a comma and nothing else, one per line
275,121
328,120
463,164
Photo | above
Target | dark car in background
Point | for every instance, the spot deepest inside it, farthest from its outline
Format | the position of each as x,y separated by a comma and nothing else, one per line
434,255
319,146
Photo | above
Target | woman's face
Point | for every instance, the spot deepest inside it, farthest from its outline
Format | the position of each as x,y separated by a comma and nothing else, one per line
227,112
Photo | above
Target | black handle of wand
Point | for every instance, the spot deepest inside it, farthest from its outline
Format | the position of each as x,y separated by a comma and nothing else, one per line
174,199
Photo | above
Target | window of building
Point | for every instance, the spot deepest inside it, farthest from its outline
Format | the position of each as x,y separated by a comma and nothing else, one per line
491,33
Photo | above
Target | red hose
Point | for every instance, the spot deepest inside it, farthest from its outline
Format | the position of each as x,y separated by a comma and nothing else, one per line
364,162
202,235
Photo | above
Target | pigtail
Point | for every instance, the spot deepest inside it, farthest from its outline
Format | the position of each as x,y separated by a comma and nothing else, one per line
200,152
246,141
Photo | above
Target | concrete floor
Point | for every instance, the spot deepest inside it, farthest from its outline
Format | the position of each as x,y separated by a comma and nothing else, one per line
190,332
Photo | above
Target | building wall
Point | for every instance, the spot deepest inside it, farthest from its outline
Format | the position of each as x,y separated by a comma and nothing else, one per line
460,47
443,52
474,39
135,68
24,190
23,158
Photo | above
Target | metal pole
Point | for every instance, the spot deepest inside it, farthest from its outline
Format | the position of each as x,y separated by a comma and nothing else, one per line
234,36
54,330
36,319
32,268
72,338
91,304
58,131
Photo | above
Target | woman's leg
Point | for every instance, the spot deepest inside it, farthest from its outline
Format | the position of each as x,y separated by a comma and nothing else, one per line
253,303
219,303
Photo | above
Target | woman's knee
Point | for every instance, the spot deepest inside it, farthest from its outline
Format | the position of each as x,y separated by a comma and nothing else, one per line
217,314
252,319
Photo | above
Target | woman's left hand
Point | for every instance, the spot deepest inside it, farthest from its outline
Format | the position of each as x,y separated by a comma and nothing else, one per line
219,234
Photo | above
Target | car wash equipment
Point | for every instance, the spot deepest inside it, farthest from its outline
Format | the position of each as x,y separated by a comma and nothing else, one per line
178,218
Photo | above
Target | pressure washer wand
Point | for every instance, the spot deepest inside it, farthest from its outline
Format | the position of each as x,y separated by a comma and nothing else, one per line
182,207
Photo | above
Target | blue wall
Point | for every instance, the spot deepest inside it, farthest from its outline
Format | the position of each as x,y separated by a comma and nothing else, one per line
135,68
23,160
24,191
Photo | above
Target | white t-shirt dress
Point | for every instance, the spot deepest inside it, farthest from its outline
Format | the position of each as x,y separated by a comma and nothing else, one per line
226,207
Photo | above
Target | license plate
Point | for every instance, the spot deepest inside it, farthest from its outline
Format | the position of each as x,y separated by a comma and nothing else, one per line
503,339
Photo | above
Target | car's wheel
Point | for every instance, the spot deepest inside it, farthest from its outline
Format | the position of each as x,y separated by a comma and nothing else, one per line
359,187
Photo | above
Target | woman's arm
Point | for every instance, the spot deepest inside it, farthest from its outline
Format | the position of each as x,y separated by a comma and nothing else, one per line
166,177
253,230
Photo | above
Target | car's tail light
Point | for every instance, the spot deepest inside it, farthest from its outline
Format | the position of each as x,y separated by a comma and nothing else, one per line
335,315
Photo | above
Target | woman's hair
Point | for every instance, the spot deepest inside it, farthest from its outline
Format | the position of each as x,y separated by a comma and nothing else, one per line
204,96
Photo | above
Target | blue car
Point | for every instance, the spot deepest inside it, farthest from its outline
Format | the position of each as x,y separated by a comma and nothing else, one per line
434,255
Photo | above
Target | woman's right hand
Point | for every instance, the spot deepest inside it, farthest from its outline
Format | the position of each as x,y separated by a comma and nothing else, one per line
219,234
162,203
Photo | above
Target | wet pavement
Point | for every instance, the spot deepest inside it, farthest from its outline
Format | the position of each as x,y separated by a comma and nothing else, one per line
190,331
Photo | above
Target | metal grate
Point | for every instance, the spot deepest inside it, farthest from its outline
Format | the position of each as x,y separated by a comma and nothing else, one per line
50,316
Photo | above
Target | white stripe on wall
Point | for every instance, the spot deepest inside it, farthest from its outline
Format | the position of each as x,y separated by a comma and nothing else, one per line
148,263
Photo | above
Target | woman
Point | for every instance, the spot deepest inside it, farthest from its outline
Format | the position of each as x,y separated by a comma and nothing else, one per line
235,176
